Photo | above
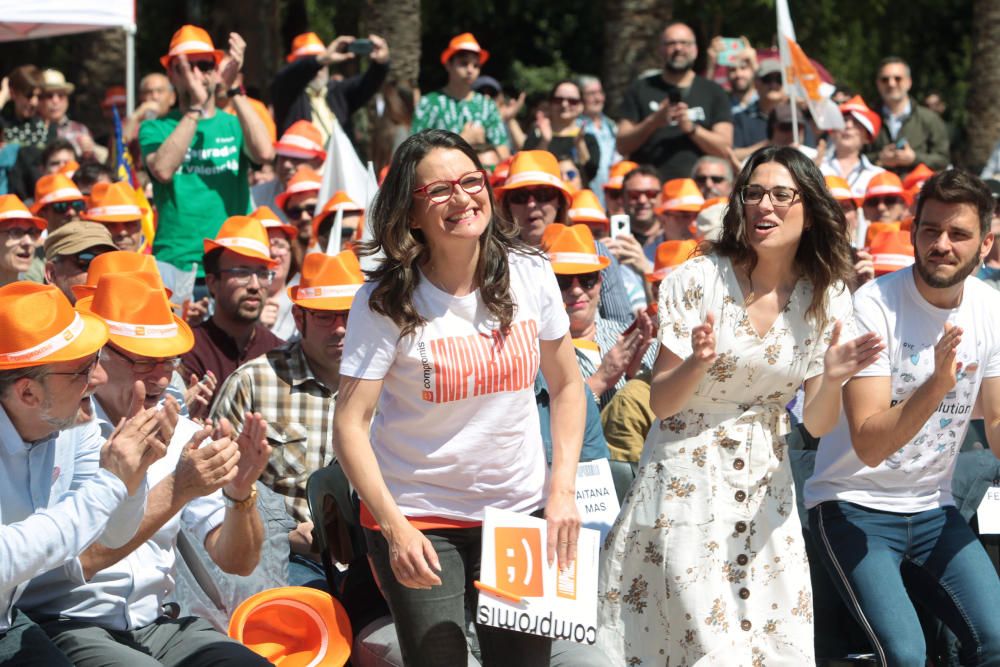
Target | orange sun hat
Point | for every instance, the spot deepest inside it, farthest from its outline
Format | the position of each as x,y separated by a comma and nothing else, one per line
680,194
116,261
114,96
859,111
885,183
301,140
340,201
41,327
616,176
52,188
501,172
464,42
305,179
586,208
571,249
891,251
670,255
329,282
876,228
138,314
270,220
191,40
532,169
12,208
113,202
306,44
243,235
840,190
294,626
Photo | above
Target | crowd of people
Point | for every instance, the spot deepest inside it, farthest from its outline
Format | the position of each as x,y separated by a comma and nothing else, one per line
778,342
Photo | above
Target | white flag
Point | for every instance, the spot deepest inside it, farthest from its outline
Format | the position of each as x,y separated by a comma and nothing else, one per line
801,78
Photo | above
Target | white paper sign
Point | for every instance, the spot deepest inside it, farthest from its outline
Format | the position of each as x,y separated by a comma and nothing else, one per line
529,595
988,513
183,432
595,496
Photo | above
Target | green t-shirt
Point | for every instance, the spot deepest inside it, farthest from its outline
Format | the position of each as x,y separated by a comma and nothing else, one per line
209,186
439,111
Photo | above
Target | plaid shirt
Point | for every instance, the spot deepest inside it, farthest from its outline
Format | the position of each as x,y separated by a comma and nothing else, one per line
299,413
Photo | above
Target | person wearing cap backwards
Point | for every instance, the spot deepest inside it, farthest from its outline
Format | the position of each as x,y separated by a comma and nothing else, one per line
456,284
238,271
712,512
880,499
61,487
199,159
885,199
847,159
205,484
19,232
301,144
298,202
456,107
69,252
54,107
116,207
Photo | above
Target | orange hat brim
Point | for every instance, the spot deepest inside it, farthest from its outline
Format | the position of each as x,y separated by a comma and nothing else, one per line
326,303
147,347
93,337
36,221
572,268
447,54
115,217
210,244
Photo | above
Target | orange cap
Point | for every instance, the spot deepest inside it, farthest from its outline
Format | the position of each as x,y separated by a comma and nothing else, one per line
500,172
681,194
116,261
136,309
876,228
586,208
865,117
840,190
243,235
915,179
616,176
12,208
329,282
535,168
464,42
571,249
301,140
52,188
40,327
270,220
670,255
113,202
305,179
891,250
114,96
294,626
338,202
884,183
306,44
191,40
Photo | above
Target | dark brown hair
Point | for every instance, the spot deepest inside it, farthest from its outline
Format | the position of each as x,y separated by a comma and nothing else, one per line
956,186
405,248
26,79
824,253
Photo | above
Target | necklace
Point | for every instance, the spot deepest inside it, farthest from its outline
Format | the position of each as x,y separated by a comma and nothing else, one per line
750,295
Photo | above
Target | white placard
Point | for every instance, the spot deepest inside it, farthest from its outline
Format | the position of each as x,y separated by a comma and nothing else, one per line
596,497
184,431
536,597
988,513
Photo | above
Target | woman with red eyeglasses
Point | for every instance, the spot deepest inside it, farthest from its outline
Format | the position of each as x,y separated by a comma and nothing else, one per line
445,340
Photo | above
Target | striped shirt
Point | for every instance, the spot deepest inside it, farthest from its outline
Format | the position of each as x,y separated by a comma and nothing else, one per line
615,303
298,408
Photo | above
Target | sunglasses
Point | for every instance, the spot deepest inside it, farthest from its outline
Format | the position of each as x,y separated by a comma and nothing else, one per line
18,233
542,195
771,79
295,212
205,66
586,280
635,195
888,201
81,259
890,79
77,205
54,93
571,101
700,180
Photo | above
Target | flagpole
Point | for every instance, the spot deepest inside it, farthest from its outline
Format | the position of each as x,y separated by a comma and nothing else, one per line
784,28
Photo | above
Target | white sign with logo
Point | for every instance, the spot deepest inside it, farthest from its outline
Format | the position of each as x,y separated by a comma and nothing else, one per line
595,496
521,591
988,513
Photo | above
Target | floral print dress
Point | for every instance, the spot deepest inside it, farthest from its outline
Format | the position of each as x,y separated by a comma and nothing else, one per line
706,563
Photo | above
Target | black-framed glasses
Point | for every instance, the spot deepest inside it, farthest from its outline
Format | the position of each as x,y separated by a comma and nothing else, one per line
586,280
327,318
702,179
888,79
81,259
541,195
87,371
146,365
771,80
571,101
17,233
441,192
781,196
77,205
241,275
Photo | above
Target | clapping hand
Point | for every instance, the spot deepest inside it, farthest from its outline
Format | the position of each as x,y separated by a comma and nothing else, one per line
843,360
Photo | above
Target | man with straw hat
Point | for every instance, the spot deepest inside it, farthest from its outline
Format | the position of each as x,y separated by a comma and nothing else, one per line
205,484
61,487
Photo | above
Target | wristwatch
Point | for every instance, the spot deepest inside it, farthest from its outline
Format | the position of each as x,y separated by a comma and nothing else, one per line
246,503
198,110
236,90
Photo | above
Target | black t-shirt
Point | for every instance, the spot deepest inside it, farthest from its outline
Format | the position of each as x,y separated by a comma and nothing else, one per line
668,149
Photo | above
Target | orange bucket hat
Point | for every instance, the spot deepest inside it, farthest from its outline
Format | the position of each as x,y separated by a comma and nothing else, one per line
329,282
616,176
876,228
891,251
294,626
191,40
113,202
840,190
12,208
681,194
586,208
500,172
859,111
114,96
116,261
304,180
270,220
464,42
138,314
884,183
69,168
52,188
916,178
571,249
306,44
338,202
670,255
243,235
301,140
535,168
40,327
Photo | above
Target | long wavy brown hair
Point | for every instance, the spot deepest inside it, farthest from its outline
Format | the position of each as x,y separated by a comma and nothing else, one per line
824,252
406,249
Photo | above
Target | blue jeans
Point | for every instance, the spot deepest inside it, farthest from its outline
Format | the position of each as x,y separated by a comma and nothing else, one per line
880,560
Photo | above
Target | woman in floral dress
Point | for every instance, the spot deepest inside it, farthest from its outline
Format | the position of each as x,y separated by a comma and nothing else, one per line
706,563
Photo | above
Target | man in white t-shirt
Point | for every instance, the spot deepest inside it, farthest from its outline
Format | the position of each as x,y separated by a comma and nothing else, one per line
880,504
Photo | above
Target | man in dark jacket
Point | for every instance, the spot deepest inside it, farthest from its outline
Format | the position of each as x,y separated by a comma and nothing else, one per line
303,89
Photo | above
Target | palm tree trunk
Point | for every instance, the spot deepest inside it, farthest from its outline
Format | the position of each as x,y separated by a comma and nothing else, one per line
984,90
631,42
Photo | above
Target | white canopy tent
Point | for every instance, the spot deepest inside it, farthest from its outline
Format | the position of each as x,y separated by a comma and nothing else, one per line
31,19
